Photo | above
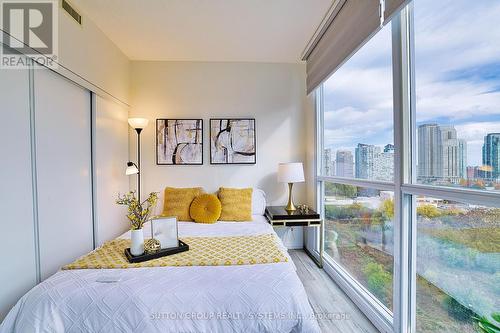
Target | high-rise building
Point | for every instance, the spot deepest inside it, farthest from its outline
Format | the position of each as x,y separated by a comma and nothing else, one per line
441,155
472,172
430,154
389,148
383,165
344,163
449,148
462,158
475,172
365,158
328,162
491,156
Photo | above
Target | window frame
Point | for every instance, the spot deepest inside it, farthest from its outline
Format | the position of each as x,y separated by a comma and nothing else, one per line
404,186
377,312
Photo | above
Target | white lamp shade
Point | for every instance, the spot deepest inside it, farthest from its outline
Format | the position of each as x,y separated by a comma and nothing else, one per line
138,122
290,173
131,170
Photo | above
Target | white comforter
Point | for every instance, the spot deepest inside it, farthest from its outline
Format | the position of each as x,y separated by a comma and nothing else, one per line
253,298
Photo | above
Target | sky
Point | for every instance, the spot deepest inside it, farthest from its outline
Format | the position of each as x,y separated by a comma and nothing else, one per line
457,65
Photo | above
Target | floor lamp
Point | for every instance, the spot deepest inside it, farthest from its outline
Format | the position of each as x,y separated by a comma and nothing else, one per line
138,124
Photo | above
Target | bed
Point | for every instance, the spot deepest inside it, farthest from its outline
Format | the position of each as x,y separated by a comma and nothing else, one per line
243,298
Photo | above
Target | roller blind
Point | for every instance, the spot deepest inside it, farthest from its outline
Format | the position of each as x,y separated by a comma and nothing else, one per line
353,22
391,7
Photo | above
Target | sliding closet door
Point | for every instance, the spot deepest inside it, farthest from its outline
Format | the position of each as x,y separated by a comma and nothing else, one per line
111,156
18,267
63,148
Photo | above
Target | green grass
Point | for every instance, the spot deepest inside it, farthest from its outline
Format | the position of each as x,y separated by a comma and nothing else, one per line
486,240
432,315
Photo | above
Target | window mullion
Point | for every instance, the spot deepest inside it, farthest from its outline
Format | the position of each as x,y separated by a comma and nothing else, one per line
320,147
476,197
404,263
319,103
411,136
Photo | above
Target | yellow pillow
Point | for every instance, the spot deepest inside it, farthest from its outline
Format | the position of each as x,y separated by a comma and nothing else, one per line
205,208
236,204
178,200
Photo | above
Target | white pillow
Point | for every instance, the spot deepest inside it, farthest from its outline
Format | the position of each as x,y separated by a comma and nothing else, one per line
258,202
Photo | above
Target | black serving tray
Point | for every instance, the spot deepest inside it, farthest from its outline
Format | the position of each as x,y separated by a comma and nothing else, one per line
161,253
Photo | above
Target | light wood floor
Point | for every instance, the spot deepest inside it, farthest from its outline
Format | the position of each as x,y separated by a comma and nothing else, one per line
326,297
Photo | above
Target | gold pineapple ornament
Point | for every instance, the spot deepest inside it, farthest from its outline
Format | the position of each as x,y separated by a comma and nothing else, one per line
151,246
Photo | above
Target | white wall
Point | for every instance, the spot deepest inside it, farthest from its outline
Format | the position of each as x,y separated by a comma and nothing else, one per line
88,57
111,155
86,51
273,94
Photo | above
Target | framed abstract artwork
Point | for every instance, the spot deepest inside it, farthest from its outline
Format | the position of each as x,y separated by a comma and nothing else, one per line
232,141
179,141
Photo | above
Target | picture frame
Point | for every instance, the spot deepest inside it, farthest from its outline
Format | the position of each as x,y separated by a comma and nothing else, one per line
179,141
233,141
165,229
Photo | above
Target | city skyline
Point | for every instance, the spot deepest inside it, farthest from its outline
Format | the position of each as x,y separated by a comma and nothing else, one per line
452,89
441,156
376,163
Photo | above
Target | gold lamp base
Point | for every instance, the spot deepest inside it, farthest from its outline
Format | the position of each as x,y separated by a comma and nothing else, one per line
290,207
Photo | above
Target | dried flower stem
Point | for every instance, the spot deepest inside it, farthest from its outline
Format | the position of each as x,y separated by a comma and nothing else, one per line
138,212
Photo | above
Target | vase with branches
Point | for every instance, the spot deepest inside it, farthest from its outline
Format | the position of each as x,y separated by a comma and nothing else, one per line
138,213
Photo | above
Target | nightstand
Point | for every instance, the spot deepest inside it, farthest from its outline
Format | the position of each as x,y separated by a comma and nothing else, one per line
278,216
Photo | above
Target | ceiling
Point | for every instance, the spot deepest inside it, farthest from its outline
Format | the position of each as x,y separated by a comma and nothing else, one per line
208,30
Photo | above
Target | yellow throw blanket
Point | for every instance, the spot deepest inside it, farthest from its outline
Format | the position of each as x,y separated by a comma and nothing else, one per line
203,251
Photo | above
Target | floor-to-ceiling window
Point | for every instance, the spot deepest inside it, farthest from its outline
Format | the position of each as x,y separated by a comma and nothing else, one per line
457,113
358,145
410,184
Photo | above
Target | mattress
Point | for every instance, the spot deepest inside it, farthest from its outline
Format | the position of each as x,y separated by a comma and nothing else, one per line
248,298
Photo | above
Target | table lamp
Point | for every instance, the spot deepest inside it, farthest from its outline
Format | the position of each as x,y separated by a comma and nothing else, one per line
290,173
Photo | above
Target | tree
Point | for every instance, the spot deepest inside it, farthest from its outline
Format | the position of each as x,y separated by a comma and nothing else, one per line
380,217
457,310
378,280
387,208
453,212
428,211
479,184
341,189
